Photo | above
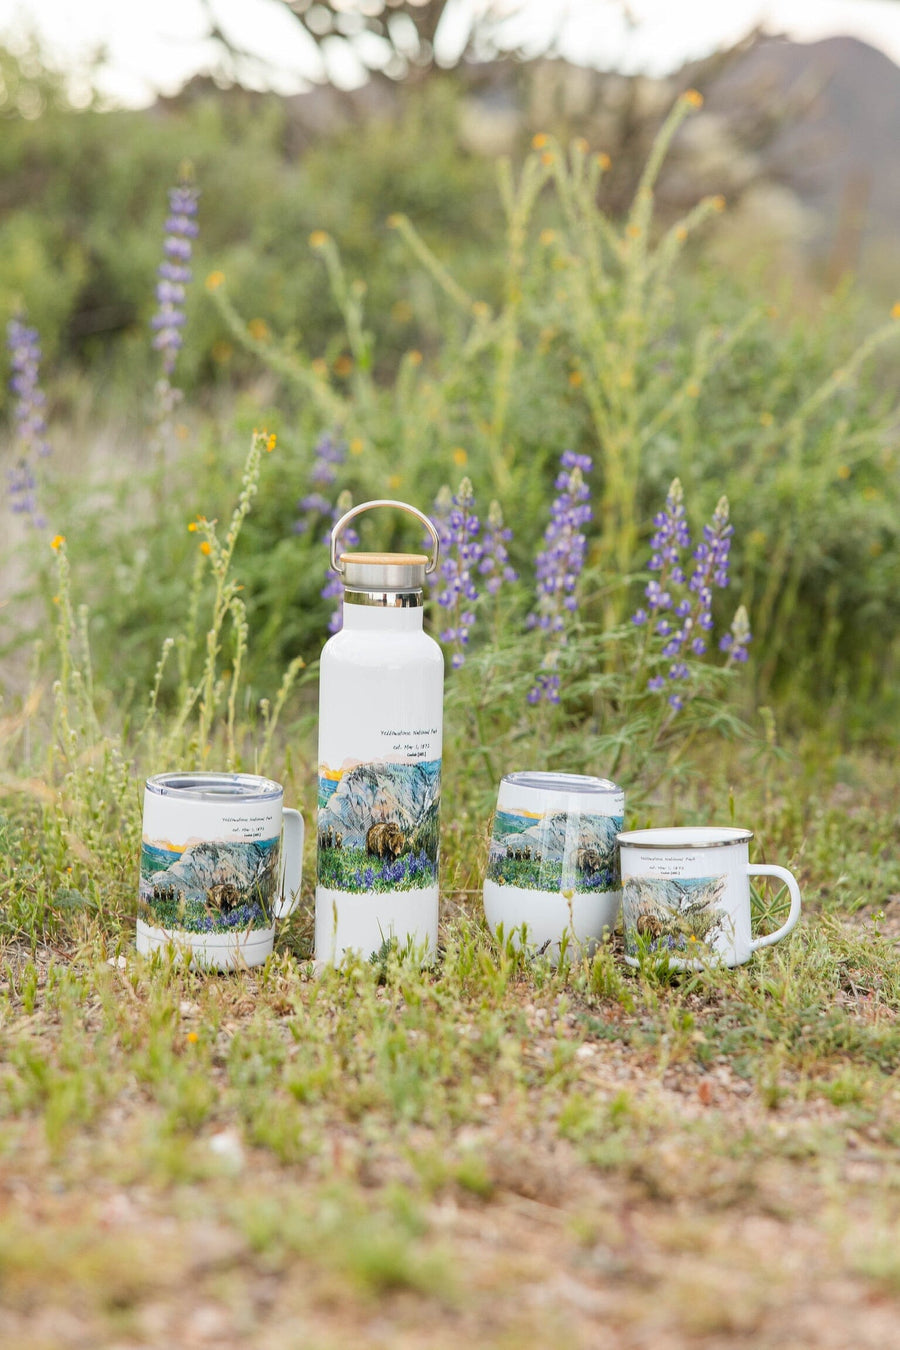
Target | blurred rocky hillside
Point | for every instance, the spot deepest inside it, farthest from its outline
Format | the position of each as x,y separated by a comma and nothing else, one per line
800,138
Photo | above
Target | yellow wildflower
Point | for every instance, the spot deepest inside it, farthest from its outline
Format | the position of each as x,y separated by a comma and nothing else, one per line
540,140
547,237
681,234
414,358
395,480
693,98
259,329
192,1037
270,443
206,547
192,527
318,239
766,419
633,231
895,311
319,367
57,542
718,202
581,145
547,158
604,160
357,445
871,494
460,457
692,389
844,472
214,280
576,378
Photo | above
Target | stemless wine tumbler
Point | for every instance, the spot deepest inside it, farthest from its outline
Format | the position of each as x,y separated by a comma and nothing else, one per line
220,861
553,863
686,893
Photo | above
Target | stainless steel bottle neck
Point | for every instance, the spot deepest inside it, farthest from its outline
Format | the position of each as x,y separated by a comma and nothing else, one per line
384,599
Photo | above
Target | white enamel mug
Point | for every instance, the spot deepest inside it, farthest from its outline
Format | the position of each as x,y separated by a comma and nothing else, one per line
221,857
686,893
553,863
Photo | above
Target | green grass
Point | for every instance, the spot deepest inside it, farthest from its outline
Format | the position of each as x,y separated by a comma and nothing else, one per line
425,1149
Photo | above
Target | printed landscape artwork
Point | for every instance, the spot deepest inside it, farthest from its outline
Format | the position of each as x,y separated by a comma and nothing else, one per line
681,916
209,886
378,826
555,851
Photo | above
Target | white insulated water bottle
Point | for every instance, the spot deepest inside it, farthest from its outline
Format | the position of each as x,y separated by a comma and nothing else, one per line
381,690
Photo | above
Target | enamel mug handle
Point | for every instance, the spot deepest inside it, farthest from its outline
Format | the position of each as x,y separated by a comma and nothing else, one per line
770,870
291,863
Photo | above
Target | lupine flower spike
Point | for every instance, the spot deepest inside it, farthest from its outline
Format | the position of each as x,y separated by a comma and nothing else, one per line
173,277
683,624
494,563
174,274
462,553
329,455
559,565
28,413
736,642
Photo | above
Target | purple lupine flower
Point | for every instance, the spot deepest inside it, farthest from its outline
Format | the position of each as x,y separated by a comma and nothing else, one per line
692,613
329,454
174,274
711,558
559,563
544,687
494,563
735,643
462,551
668,539
28,414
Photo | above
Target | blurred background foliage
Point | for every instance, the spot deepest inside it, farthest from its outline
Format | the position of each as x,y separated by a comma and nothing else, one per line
438,311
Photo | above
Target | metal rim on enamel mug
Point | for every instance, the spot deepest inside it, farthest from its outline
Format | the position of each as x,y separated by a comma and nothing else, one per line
684,837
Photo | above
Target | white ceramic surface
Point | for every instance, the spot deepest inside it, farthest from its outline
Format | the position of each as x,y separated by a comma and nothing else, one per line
686,893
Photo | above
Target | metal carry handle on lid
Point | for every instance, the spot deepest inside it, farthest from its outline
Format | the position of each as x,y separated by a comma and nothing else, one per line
354,511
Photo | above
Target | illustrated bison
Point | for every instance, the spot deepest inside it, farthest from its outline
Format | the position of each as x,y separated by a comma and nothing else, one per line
223,897
385,840
589,861
649,924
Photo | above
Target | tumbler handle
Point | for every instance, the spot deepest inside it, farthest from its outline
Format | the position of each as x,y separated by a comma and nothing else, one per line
400,506
770,870
291,863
